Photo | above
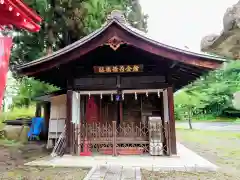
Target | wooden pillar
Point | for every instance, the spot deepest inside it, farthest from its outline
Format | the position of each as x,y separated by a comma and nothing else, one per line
100,110
69,130
46,115
172,121
114,138
164,124
38,111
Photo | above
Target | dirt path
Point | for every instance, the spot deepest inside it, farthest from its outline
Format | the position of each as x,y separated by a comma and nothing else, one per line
12,167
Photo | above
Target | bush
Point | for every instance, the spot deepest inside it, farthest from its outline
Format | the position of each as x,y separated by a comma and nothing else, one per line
178,114
18,113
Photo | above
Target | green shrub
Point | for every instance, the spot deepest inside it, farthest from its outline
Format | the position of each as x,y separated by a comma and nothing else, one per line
18,113
178,113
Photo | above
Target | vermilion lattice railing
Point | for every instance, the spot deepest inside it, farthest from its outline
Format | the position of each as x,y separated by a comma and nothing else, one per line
123,139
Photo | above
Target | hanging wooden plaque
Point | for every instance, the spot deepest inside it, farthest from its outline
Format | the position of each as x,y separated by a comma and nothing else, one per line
119,69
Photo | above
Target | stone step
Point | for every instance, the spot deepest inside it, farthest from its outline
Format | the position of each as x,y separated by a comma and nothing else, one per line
110,172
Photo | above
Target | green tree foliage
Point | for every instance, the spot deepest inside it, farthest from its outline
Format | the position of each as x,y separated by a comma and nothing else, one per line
29,89
212,93
64,22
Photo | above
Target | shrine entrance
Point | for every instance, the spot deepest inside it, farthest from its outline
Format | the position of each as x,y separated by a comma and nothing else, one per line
123,122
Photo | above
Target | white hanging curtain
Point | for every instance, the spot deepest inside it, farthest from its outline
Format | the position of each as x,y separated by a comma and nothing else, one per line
76,108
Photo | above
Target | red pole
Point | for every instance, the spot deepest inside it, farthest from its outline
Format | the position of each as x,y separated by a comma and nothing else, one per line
5,50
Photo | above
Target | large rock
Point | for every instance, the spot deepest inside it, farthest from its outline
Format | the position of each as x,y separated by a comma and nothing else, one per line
16,133
231,18
228,42
23,138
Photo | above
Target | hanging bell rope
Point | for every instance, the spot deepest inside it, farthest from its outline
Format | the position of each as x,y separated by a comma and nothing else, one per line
112,97
135,95
158,93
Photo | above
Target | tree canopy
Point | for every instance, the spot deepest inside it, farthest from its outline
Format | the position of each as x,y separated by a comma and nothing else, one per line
213,92
64,22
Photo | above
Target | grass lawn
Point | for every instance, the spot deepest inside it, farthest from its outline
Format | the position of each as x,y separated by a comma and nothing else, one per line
221,148
17,113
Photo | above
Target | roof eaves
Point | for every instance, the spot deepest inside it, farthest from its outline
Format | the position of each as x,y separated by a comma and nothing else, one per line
128,28
144,36
67,48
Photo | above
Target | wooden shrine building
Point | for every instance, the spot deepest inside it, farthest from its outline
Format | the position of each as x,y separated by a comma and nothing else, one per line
118,86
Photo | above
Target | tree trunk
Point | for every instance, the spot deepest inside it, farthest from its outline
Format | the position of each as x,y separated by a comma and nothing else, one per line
190,119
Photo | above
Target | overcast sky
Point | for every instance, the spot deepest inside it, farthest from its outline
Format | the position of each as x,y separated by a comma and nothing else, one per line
184,22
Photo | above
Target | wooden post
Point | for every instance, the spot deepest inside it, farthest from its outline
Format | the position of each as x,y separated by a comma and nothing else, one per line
100,109
171,121
69,132
114,138
164,124
38,111
46,115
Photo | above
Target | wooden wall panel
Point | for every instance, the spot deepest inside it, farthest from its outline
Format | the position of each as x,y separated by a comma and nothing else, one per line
142,82
98,83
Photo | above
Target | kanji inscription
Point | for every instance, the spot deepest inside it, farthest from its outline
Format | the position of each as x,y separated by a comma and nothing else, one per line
118,69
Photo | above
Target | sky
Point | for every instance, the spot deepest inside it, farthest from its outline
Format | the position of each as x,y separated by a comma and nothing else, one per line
182,23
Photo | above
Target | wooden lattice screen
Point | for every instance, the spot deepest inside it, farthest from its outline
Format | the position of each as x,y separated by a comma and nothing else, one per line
126,138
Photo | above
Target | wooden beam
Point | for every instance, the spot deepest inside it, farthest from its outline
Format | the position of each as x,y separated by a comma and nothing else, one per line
194,68
190,73
172,121
174,64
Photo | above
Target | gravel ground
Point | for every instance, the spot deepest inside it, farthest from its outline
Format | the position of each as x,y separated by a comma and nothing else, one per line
12,167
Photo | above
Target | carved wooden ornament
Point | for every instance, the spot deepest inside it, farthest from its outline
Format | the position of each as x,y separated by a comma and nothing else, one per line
115,42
